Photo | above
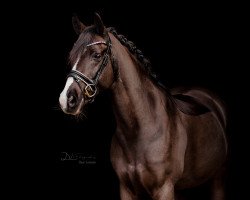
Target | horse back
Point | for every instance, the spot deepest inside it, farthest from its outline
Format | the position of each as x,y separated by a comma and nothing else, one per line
197,101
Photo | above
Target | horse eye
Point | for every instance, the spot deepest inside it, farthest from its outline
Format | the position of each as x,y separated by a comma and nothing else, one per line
97,56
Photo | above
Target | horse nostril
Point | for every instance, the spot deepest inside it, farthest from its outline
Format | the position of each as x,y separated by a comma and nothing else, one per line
72,100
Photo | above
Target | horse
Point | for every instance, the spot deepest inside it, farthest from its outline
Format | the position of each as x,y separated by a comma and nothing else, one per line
165,140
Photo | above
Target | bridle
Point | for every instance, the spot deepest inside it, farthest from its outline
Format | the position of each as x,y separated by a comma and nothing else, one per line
90,90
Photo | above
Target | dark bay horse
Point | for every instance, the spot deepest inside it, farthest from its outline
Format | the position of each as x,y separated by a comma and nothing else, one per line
165,140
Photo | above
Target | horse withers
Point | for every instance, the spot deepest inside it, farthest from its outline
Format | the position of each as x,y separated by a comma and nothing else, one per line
165,140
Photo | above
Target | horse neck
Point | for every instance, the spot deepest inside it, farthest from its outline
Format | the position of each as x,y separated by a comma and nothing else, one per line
137,102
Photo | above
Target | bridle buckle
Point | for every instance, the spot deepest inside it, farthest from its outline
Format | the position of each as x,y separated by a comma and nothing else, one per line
90,90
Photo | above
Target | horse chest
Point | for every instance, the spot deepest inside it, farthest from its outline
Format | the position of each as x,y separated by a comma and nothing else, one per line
140,171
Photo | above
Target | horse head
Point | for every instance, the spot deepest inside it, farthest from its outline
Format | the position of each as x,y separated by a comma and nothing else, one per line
91,66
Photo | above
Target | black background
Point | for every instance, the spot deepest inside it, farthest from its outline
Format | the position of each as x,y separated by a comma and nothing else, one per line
190,45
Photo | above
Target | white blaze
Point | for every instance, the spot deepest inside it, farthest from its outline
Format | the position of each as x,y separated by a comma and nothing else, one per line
63,95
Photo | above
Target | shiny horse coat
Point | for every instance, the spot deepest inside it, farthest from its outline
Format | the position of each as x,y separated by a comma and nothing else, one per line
165,140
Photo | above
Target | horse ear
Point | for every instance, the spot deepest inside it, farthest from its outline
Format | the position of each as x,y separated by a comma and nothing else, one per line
77,25
98,24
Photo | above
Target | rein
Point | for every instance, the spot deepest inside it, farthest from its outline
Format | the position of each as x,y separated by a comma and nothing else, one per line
90,90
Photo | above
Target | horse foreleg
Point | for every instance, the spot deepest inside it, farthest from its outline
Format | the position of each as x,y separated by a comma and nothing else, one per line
166,192
125,194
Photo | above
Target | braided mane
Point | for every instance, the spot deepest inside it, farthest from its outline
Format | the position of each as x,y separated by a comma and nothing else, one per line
138,53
